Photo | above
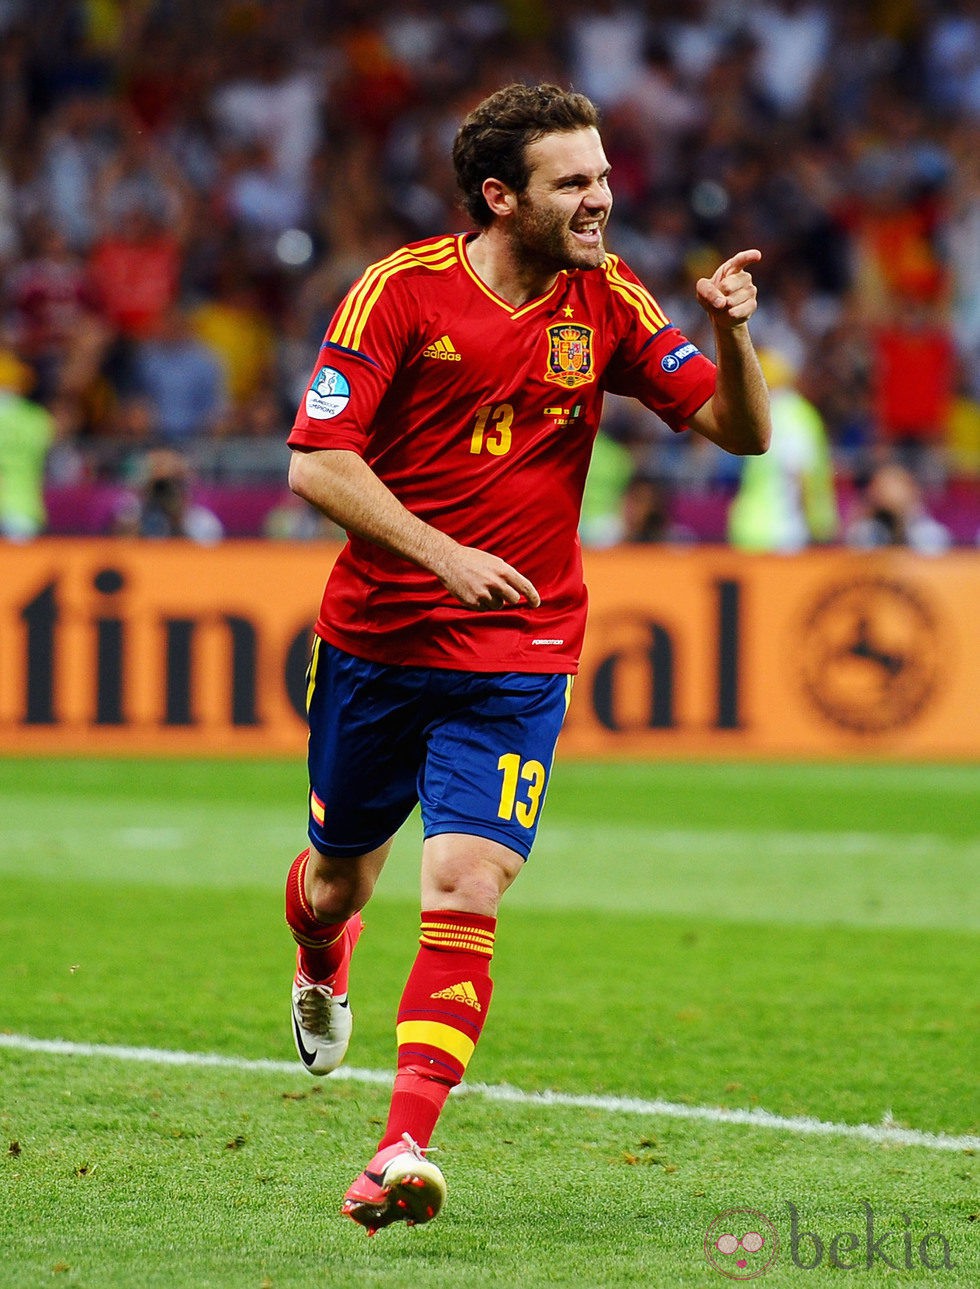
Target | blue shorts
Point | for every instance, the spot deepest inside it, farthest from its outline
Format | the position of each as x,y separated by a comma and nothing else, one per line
474,749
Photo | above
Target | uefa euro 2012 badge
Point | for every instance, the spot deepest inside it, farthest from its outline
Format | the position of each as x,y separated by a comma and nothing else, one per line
328,395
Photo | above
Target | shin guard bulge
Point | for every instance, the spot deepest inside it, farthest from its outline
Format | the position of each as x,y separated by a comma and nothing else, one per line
440,1018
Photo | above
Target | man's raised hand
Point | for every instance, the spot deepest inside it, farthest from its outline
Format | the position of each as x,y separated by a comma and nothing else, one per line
728,297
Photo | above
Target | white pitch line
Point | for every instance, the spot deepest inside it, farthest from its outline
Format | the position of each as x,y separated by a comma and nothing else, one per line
883,1134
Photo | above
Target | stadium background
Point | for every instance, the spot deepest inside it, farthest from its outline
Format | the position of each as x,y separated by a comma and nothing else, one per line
186,192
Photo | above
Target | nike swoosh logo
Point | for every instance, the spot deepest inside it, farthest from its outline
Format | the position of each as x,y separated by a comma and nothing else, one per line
306,1056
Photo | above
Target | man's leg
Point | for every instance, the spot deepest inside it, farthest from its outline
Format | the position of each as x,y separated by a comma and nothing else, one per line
489,744
324,896
440,1019
363,759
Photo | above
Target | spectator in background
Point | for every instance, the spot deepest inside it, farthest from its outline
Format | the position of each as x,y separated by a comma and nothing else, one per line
647,511
230,320
610,468
914,375
139,175
183,380
792,38
374,88
785,500
74,145
136,270
272,98
26,432
259,200
656,97
962,242
162,505
892,513
52,306
606,41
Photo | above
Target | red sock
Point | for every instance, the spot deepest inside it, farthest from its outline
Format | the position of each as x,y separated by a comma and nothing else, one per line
321,947
440,1019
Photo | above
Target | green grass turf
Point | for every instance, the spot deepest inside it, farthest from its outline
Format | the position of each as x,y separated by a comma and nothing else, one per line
800,938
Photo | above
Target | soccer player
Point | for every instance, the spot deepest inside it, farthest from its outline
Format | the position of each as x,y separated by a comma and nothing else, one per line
447,427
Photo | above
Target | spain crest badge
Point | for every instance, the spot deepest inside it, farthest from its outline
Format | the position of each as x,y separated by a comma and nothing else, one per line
569,355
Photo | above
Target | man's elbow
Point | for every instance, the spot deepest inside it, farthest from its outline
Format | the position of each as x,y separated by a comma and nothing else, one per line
743,431
751,435
745,441
298,476
759,442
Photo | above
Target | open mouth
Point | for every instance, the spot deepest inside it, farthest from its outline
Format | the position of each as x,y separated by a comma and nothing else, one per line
589,234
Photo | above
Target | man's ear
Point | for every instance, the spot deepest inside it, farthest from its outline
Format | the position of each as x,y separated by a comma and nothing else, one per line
501,199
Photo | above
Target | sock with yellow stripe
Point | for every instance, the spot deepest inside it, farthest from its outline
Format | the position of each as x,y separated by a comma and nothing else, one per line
321,947
440,1019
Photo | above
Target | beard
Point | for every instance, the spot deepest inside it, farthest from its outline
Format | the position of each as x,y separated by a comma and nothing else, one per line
543,240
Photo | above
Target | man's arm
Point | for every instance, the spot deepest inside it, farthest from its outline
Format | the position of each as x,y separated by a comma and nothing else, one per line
736,417
343,487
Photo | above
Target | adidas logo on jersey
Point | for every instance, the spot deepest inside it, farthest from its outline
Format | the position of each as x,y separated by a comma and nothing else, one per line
461,993
442,348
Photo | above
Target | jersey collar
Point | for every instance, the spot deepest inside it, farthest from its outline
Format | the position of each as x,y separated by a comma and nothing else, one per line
499,300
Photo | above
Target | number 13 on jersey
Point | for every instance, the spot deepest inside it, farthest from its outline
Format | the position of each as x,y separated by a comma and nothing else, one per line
491,430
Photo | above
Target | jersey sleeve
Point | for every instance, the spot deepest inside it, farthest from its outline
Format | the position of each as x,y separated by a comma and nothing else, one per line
653,361
361,352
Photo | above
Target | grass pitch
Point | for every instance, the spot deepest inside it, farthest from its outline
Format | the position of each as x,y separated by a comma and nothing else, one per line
800,939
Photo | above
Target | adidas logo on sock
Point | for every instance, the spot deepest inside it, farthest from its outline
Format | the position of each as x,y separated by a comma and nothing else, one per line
461,993
442,348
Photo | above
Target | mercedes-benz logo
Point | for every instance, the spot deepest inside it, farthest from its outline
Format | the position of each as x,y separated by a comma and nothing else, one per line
870,657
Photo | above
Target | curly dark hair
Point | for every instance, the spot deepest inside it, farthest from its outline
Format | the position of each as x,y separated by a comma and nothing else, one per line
492,141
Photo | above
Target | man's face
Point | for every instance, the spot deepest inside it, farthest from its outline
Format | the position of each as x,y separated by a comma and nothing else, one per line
560,216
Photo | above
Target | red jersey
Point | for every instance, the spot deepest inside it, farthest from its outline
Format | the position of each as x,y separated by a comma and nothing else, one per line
480,418
137,281
914,379
49,296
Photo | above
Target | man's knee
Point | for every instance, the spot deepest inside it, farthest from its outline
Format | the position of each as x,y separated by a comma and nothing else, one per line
467,873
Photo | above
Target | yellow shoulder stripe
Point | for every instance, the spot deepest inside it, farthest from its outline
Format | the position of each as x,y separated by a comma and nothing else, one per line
362,297
636,295
402,256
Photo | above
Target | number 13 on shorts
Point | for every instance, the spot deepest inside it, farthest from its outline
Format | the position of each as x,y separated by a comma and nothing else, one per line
521,788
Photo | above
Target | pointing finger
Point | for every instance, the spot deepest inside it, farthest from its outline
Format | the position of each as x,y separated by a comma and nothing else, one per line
736,264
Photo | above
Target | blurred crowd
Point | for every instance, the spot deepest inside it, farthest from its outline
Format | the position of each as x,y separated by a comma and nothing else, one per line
187,190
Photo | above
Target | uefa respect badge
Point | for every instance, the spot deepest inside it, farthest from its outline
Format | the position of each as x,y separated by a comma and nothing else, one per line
742,1244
